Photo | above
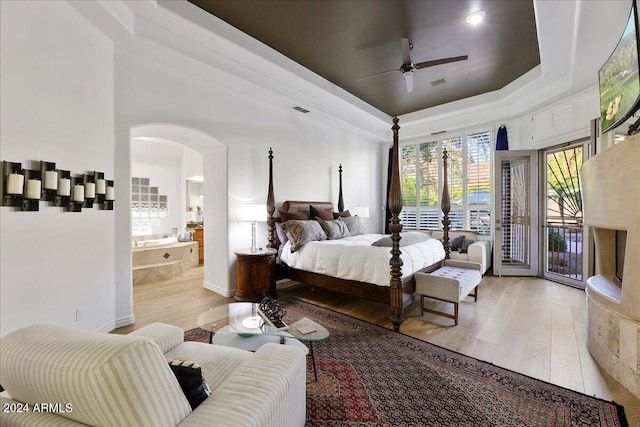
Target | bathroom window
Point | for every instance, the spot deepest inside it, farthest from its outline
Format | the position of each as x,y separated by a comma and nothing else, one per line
147,206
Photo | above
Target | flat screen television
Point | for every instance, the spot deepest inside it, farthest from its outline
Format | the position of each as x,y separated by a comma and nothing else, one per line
619,80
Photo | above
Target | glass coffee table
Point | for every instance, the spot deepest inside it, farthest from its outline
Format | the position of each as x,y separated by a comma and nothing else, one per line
240,325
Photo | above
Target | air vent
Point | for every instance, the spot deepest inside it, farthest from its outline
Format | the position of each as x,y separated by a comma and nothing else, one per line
438,82
302,110
438,132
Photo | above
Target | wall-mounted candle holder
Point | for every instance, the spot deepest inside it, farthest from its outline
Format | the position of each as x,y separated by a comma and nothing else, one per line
89,182
77,194
101,186
12,183
63,194
49,177
109,196
32,190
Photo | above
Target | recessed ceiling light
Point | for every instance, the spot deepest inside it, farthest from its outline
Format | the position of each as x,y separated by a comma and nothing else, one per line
476,17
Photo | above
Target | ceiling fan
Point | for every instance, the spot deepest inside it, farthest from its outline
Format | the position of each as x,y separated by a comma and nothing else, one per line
409,67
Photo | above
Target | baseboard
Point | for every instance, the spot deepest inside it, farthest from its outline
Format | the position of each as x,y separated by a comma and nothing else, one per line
125,321
118,323
218,290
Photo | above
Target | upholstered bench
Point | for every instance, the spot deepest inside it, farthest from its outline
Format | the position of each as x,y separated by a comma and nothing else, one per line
450,283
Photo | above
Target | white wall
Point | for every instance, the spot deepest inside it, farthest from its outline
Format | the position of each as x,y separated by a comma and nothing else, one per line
56,86
162,163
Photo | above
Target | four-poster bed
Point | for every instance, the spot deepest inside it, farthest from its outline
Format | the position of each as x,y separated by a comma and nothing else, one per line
398,285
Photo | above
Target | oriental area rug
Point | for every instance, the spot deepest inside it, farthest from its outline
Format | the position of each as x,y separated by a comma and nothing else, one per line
372,376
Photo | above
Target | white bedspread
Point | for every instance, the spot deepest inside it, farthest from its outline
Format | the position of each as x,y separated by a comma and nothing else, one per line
354,258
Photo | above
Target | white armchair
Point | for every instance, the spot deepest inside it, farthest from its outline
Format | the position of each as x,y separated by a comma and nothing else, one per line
479,251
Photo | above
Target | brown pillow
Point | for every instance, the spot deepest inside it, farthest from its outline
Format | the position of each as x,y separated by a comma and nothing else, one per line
343,214
326,214
286,216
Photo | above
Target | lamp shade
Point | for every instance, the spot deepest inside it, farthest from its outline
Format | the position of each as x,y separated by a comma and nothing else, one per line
361,211
254,212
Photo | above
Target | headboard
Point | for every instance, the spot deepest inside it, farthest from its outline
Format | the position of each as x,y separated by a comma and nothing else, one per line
302,206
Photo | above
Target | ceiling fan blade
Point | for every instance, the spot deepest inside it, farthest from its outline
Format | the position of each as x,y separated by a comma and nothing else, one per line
408,79
406,51
378,74
441,61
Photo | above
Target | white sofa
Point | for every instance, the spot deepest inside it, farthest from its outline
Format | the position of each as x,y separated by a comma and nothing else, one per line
479,251
91,378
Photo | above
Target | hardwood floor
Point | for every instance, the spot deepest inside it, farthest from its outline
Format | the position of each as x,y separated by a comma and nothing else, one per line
528,325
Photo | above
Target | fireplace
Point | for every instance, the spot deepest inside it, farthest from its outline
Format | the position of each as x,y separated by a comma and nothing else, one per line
611,203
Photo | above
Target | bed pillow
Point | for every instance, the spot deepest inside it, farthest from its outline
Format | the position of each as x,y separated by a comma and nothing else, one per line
300,232
342,214
406,239
326,214
282,236
334,229
193,385
286,216
354,224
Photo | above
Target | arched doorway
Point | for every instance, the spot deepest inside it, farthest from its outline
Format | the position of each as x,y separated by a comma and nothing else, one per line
215,217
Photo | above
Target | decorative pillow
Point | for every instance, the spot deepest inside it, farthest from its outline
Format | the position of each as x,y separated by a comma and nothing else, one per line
464,246
456,242
286,216
189,376
406,239
334,229
342,214
300,232
326,214
354,224
282,235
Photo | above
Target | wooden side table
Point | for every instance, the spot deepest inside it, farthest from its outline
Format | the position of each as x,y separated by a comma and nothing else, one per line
256,274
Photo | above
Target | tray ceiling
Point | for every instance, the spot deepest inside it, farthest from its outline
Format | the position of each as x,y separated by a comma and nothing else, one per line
345,40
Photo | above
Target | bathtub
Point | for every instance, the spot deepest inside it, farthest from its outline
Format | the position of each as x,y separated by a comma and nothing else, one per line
144,241
161,258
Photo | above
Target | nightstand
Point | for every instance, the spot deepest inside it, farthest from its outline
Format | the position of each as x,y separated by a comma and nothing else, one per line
256,274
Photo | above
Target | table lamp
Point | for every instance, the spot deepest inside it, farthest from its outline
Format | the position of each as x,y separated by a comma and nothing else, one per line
254,212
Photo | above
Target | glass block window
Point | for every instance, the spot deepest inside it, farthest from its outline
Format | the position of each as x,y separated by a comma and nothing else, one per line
147,206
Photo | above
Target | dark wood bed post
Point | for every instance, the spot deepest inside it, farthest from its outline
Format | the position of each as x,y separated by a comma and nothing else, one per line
340,201
446,206
271,205
395,206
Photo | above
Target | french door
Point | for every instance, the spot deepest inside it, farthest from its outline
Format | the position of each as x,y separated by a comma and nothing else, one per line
516,226
563,252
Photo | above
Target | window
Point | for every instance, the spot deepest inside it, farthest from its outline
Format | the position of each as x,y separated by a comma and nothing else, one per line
469,180
147,206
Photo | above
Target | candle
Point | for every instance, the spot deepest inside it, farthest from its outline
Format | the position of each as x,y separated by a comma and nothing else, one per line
33,189
101,186
78,193
51,180
110,194
90,190
64,187
15,183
